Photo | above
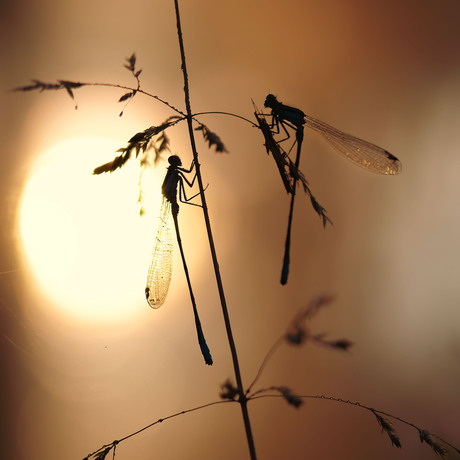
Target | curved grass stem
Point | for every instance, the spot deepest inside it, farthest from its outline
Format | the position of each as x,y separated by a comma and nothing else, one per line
242,398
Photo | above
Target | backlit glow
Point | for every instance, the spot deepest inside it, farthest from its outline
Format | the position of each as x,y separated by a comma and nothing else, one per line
86,246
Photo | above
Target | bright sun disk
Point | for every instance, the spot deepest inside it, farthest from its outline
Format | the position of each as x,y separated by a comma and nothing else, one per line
82,236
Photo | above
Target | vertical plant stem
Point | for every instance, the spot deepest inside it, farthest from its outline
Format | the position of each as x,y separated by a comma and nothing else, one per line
242,397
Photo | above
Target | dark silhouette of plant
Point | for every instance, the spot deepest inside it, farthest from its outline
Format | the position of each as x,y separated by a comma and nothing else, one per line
153,143
289,172
298,333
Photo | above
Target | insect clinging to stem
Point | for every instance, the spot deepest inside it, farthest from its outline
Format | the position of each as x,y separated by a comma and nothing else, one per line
361,152
160,270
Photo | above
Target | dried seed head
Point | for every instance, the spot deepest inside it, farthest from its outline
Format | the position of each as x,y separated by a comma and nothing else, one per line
425,437
291,398
389,430
228,391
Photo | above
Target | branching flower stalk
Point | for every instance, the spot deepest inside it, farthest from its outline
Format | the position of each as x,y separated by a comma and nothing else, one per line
298,332
103,451
441,447
142,141
387,427
242,397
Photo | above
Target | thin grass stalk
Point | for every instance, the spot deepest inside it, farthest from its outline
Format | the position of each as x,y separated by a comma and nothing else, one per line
242,397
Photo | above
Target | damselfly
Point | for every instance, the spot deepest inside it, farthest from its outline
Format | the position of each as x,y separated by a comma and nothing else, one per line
160,270
362,153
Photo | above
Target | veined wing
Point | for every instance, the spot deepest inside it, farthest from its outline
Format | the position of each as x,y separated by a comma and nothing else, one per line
362,153
160,269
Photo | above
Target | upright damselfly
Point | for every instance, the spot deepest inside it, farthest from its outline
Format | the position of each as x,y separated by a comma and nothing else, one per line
160,269
360,152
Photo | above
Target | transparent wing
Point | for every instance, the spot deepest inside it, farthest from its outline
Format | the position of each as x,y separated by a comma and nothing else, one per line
362,153
160,269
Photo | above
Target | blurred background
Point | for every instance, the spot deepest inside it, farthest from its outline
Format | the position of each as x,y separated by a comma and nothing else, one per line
84,359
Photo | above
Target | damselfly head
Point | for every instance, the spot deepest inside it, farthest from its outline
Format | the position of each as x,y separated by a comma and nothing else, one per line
174,160
270,101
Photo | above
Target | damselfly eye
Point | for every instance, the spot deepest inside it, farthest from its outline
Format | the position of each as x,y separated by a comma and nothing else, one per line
270,100
174,160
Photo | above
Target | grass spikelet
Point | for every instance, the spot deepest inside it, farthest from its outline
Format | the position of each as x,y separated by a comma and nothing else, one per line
291,398
140,142
38,85
338,344
388,428
102,454
212,139
297,332
228,391
425,437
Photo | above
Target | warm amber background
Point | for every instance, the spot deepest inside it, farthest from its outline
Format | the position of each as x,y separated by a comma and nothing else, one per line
387,71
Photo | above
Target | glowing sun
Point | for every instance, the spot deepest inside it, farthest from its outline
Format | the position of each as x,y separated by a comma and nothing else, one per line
81,234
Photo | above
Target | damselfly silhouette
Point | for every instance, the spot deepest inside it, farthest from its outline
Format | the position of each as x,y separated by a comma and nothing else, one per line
362,153
160,270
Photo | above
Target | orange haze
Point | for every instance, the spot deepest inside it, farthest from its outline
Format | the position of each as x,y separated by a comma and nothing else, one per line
86,361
